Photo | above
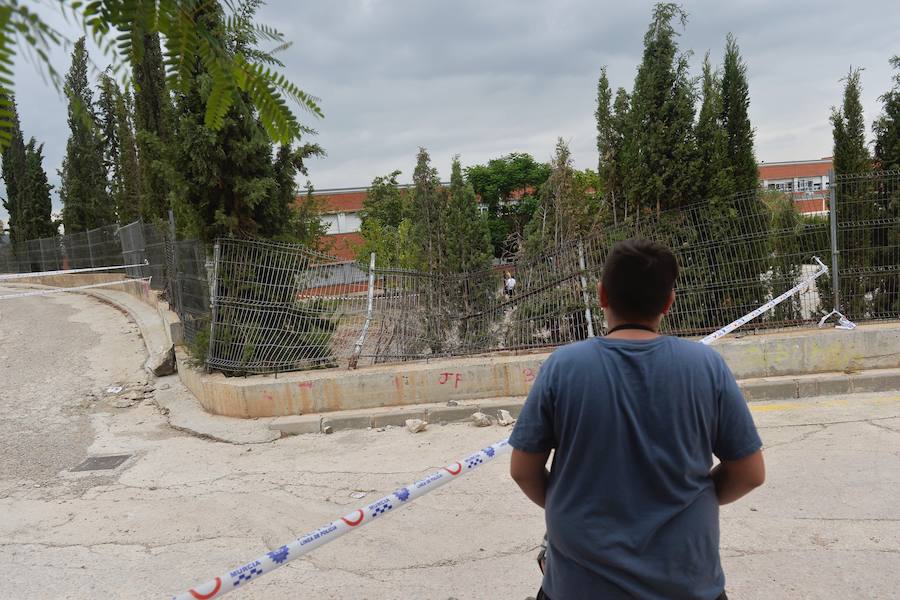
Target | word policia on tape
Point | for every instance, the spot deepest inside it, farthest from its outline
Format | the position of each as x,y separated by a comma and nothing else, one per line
255,569
70,271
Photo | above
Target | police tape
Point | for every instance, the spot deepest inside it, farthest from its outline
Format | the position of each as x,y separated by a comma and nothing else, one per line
767,306
11,276
230,581
70,289
270,561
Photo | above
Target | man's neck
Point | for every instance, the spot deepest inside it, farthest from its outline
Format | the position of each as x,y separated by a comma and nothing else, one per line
633,333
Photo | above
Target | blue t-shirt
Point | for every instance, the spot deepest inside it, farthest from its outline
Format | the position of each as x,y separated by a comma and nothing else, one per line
631,508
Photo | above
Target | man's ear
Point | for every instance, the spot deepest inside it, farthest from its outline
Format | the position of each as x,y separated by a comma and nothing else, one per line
670,302
604,298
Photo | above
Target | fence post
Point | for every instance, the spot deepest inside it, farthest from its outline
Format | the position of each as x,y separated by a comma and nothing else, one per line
832,218
584,289
172,267
87,234
213,302
354,360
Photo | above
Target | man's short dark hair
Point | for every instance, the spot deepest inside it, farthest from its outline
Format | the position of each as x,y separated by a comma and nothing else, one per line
638,277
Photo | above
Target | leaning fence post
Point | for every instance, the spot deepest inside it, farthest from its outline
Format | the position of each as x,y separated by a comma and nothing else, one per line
832,218
354,360
213,302
584,289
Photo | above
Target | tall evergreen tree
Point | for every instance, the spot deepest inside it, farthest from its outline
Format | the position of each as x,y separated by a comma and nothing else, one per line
468,238
127,190
612,117
225,175
661,150
887,127
153,130
716,171
851,157
427,215
14,160
86,204
109,134
35,194
849,131
735,100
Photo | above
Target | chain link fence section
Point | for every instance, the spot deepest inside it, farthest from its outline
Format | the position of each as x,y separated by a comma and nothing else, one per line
868,243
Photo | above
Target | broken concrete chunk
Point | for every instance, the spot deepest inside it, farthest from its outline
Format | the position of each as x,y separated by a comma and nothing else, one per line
452,403
504,418
416,425
480,419
328,429
162,364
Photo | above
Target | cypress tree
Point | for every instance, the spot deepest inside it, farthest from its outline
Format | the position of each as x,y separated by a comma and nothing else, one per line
735,99
612,117
661,151
14,159
224,175
887,156
849,131
468,238
83,191
716,172
127,194
427,214
153,129
851,157
35,194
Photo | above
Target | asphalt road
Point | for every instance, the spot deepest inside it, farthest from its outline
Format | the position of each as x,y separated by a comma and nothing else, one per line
182,508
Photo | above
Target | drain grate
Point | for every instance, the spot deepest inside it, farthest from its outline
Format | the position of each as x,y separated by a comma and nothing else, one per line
102,463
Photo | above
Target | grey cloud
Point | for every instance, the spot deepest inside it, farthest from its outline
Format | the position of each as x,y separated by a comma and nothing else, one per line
484,79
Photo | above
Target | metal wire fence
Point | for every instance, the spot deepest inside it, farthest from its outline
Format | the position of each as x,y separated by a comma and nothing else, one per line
250,306
868,239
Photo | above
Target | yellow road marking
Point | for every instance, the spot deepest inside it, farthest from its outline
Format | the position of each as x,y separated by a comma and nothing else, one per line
836,403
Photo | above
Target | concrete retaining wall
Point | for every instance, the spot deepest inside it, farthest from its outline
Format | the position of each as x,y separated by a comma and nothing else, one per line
495,376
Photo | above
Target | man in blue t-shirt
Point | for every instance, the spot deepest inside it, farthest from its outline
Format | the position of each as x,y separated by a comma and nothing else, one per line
632,499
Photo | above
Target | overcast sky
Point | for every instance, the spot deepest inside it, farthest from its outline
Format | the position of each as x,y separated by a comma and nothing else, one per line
483,79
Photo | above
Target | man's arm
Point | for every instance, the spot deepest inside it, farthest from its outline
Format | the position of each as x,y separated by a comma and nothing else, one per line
529,471
736,478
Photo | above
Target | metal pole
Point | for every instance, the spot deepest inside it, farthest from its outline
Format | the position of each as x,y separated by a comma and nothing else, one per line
584,290
213,301
172,267
832,218
365,328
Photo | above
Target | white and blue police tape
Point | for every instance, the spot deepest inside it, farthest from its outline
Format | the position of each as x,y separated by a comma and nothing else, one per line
254,569
223,584
767,306
71,289
10,276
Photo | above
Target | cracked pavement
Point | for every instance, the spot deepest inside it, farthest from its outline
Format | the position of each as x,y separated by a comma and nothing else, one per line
184,508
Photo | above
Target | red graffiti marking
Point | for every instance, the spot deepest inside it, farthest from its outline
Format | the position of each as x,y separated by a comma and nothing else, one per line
452,472
212,594
267,396
305,384
529,375
352,523
455,377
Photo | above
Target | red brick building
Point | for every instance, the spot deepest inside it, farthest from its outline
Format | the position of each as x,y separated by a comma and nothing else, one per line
806,180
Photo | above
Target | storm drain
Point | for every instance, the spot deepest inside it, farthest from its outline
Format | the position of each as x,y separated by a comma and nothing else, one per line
102,463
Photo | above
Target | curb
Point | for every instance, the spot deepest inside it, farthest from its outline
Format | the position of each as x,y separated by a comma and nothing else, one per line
754,390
